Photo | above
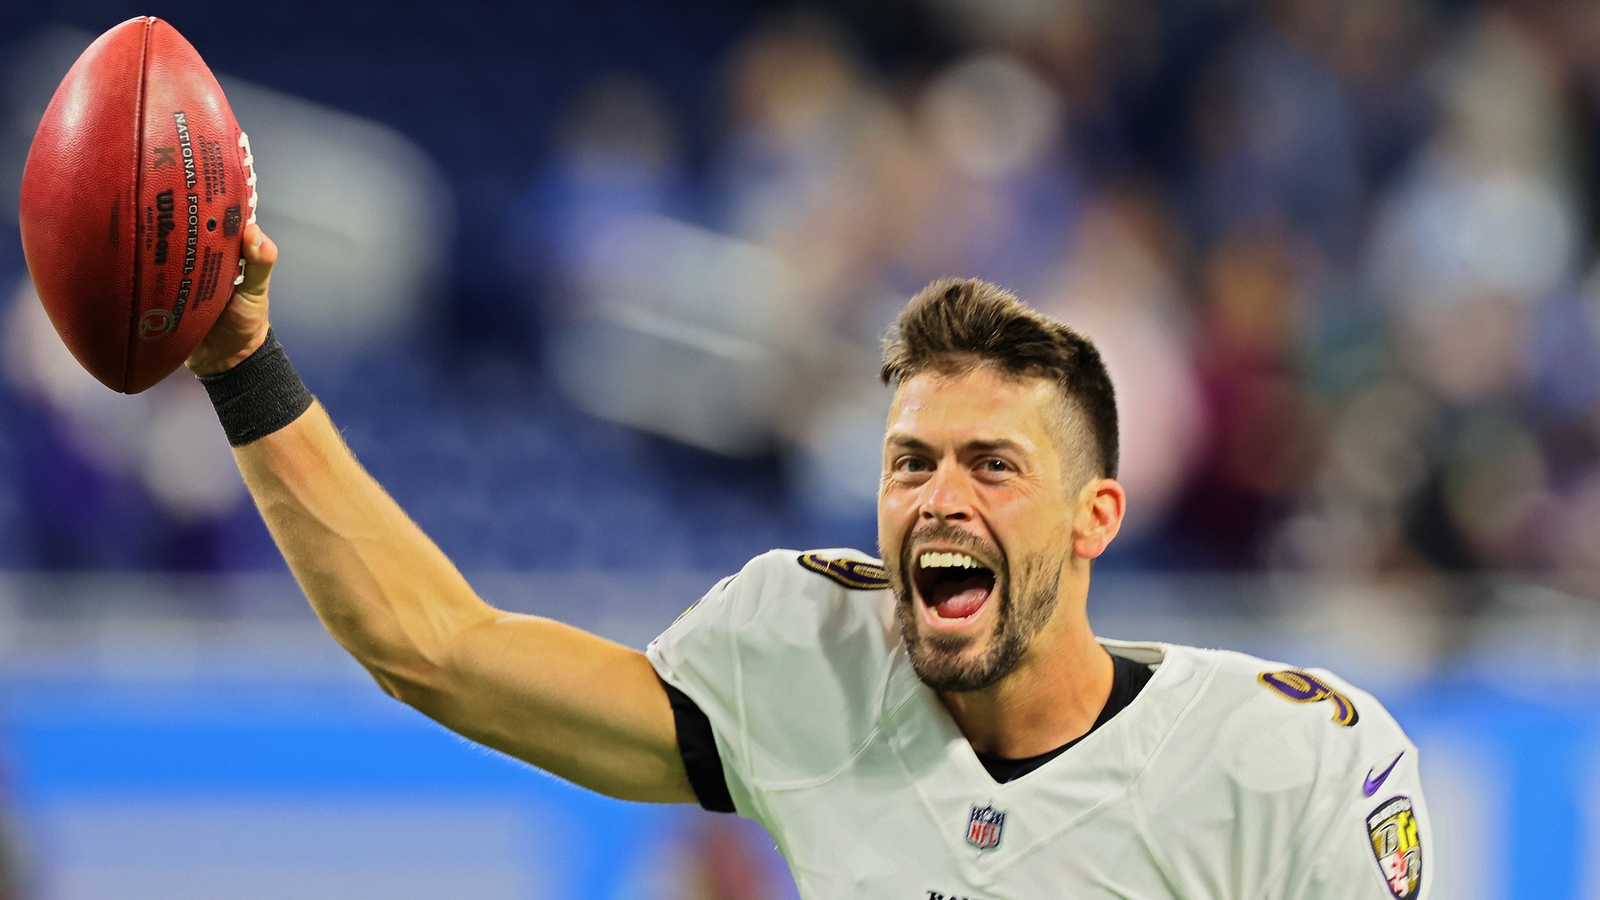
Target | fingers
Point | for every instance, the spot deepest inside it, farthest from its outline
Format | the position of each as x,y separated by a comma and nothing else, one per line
260,253
242,326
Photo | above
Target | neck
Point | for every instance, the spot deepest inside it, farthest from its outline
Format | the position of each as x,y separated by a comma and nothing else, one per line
1054,695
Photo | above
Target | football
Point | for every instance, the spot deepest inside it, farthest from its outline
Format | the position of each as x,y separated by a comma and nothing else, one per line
136,188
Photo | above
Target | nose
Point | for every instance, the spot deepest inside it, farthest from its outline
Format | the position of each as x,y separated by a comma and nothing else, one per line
947,496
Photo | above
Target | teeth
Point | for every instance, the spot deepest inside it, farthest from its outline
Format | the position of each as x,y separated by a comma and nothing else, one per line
948,561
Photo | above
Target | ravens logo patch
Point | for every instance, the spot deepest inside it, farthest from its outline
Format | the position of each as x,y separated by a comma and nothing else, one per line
1397,845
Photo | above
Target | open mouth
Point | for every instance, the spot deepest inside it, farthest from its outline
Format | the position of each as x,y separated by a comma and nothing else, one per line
952,584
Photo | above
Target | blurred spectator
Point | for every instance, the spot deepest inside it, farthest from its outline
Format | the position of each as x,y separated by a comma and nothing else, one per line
619,153
1263,437
996,198
811,155
1119,288
1277,139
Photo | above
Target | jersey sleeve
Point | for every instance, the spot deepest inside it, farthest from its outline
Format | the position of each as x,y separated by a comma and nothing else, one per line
786,660
1370,837
697,658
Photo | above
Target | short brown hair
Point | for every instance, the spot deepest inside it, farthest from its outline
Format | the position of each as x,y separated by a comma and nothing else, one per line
955,324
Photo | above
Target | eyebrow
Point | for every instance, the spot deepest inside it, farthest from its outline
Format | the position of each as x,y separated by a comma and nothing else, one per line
917,445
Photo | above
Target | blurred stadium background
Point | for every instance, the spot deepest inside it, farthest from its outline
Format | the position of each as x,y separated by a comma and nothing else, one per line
594,290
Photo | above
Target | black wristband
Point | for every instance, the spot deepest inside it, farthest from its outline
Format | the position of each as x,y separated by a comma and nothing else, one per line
258,396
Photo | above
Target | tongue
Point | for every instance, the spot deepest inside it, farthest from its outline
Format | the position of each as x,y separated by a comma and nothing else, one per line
959,599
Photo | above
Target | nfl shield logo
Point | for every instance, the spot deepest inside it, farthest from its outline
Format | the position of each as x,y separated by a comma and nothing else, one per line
984,826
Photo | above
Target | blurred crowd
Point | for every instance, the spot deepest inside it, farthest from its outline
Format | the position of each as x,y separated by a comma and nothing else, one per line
1339,255
1339,264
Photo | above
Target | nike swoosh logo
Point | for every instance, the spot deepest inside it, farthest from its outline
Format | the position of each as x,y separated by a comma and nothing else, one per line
1371,785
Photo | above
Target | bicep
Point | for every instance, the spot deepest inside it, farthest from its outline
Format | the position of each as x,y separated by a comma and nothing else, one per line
574,704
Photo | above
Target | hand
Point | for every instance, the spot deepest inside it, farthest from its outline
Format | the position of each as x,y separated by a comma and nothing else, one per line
242,327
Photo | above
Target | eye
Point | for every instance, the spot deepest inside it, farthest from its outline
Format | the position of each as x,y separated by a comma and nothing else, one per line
912,464
993,468
910,469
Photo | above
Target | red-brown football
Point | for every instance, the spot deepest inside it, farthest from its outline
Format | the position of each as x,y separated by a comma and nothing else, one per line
135,190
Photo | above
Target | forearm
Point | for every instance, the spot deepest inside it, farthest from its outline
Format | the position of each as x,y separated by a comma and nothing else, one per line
579,706
382,588
576,705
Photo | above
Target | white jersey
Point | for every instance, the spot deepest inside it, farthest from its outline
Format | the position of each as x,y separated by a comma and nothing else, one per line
1227,777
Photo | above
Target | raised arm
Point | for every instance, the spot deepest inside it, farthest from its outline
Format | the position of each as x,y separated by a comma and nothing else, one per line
569,702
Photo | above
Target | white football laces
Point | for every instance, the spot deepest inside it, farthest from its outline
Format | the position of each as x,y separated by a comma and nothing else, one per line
249,163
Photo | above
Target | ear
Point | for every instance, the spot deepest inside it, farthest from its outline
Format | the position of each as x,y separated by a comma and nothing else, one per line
1101,504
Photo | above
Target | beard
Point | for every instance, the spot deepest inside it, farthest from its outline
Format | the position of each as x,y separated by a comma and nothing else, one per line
944,662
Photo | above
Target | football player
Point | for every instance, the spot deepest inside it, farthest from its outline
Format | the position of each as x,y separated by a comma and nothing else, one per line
941,724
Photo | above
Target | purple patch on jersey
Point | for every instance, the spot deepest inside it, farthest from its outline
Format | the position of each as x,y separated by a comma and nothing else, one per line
984,826
1371,784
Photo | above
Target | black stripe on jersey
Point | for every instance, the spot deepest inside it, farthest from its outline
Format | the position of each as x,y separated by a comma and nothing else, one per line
697,744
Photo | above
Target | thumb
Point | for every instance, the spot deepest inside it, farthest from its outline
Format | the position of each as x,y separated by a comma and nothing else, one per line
259,255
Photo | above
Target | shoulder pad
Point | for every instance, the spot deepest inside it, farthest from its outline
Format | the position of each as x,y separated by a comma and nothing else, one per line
856,574
1303,687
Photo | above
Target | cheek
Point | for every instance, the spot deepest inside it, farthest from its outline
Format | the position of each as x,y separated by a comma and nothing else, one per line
1015,509
891,522
1031,533
897,501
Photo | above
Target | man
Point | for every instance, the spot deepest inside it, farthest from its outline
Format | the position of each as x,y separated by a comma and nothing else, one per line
941,725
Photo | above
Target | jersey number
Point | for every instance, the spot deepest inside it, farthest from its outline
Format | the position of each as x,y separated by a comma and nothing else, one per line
855,574
1304,687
